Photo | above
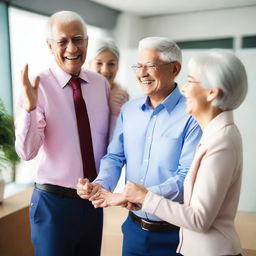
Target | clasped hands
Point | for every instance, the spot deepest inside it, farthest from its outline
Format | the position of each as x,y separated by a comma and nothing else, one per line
132,197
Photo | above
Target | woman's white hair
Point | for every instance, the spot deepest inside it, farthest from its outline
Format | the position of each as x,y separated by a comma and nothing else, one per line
66,16
98,45
223,70
169,50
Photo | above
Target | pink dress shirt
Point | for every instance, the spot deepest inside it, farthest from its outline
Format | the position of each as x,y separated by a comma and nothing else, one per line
50,131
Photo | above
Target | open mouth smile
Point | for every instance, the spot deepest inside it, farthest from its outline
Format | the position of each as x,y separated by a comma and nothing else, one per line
147,81
72,57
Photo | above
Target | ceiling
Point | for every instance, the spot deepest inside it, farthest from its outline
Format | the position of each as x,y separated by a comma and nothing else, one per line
161,7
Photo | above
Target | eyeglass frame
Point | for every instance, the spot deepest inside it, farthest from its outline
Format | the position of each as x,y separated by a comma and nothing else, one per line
191,81
77,40
152,67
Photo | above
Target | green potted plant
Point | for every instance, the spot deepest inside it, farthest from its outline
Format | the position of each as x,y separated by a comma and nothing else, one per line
8,155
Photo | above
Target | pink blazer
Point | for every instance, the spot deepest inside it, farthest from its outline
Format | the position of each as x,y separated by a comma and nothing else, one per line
211,194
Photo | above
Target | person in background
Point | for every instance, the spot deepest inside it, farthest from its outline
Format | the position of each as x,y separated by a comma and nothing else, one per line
156,139
63,122
217,84
103,58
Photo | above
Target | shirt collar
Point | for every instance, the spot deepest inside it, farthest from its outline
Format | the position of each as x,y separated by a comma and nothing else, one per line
169,102
220,121
63,78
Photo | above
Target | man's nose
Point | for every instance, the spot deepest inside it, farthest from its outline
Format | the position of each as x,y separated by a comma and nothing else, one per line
71,47
143,71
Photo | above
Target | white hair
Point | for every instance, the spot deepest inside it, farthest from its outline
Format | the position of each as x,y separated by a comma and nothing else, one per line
66,16
223,70
96,46
169,50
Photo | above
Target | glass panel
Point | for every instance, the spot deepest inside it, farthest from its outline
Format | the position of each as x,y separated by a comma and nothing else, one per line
226,43
249,42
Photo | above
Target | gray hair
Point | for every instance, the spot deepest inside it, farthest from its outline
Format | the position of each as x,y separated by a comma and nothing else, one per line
66,16
96,46
223,70
169,50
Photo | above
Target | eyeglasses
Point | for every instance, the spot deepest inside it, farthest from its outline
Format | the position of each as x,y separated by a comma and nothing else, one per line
191,81
149,67
76,40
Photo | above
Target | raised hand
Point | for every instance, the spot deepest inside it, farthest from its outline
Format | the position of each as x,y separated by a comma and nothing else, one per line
85,189
29,90
116,99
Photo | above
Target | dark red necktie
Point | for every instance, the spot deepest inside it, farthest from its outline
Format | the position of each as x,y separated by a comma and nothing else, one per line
84,130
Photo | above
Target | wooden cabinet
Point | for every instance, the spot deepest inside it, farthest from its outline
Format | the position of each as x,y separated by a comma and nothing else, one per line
14,225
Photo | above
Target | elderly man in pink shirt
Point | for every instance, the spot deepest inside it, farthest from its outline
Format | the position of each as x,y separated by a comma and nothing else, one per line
63,122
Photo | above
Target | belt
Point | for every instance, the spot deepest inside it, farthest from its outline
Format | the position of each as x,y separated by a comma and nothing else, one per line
58,190
149,225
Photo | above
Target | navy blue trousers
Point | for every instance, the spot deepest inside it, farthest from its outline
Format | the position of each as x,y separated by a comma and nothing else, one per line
64,226
139,242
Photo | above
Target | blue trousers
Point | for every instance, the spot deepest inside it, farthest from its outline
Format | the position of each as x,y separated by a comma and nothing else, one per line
64,226
139,242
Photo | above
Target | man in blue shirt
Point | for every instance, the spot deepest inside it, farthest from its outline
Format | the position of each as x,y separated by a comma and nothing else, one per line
156,139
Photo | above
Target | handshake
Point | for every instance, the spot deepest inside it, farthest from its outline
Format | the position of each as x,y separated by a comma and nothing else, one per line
132,197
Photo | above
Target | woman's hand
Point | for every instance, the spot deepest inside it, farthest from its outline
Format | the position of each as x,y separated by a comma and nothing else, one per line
104,198
134,193
117,98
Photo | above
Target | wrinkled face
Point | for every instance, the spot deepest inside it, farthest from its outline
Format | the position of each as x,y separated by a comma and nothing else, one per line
196,95
106,64
68,45
155,76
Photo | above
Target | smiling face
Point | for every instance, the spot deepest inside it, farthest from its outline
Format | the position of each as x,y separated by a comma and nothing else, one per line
155,76
106,64
198,99
68,45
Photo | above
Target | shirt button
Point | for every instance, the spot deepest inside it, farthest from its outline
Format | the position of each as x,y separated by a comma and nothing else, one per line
145,160
154,116
149,138
141,180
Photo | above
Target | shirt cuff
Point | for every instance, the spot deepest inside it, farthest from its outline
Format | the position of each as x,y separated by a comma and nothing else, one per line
156,190
102,183
24,120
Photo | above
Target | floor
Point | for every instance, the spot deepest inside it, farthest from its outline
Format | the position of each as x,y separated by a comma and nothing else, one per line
115,216
249,253
112,234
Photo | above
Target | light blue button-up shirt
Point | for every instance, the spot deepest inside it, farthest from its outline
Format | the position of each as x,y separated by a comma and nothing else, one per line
157,145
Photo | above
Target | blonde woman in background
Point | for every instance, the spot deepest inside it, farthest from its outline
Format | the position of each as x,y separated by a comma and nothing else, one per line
103,58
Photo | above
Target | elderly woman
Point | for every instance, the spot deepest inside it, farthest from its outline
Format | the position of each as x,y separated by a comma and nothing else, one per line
217,84
103,58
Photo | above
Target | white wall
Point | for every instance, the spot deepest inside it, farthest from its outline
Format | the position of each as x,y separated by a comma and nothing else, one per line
203,25
234,23
128,32
245,119
200,26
